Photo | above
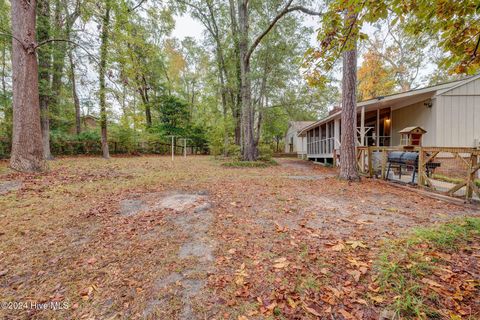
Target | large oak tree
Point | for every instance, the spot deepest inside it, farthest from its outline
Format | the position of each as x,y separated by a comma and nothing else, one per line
27,152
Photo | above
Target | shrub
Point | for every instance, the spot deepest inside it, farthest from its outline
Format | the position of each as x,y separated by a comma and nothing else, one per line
265,152
250,164
233,151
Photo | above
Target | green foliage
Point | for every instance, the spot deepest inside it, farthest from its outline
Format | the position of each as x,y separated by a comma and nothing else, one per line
250,164
174,116
449,235
454,22
88,142
265,152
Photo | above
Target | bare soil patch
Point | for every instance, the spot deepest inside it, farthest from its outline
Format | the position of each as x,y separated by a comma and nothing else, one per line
8,186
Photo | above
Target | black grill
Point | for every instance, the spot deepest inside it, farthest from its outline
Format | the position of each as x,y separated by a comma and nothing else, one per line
402,159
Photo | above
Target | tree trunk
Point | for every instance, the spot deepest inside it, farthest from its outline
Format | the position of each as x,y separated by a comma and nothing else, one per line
223,93
143,90
235,93
102,92
348,163
76,101
27,151
249,152
58,54
44,65
4,65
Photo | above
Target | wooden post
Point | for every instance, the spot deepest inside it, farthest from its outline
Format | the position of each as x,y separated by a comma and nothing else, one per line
173,148
471,176
377,143
370,162
421,168
384,164
362,127
301,154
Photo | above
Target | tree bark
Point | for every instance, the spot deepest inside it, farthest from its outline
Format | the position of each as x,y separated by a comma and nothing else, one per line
235,92
27,151
44,65
102,72
248,146
76,100
4,64
58,55
146,102
248,140
348,163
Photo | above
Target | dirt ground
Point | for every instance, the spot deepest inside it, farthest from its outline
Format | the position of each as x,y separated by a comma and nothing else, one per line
145,238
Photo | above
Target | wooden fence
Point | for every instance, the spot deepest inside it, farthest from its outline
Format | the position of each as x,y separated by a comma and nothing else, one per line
459,168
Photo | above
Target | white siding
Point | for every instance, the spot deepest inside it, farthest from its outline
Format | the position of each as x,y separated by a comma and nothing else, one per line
417,114
458,120
297,141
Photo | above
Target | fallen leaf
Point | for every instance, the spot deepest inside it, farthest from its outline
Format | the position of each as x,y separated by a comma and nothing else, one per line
272,306
291,303
355,274
431,283
280,265
311,310
338,247
378,299
346,314
355,244
361,301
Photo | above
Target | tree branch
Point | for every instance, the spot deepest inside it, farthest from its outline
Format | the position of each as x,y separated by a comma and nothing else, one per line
476,47
12,36
41,43
286,9
137,6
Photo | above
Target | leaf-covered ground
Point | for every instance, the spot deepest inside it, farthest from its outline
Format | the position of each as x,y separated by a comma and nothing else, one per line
145,238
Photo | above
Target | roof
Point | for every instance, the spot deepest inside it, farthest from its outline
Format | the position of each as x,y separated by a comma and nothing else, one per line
299,125
410,129
430,90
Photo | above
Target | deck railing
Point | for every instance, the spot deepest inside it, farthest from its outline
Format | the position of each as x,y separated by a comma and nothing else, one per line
456,174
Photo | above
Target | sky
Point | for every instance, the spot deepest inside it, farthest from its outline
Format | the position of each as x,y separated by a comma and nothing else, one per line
186,26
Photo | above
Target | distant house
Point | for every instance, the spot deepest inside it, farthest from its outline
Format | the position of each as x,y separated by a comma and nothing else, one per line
293,144
88,123
448,112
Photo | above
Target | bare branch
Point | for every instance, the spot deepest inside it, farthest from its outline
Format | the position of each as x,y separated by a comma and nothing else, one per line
137,6
285,10
12,36
305,10
476,47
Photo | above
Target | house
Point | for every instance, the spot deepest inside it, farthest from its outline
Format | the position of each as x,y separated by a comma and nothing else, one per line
87,123
293,144
449,113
